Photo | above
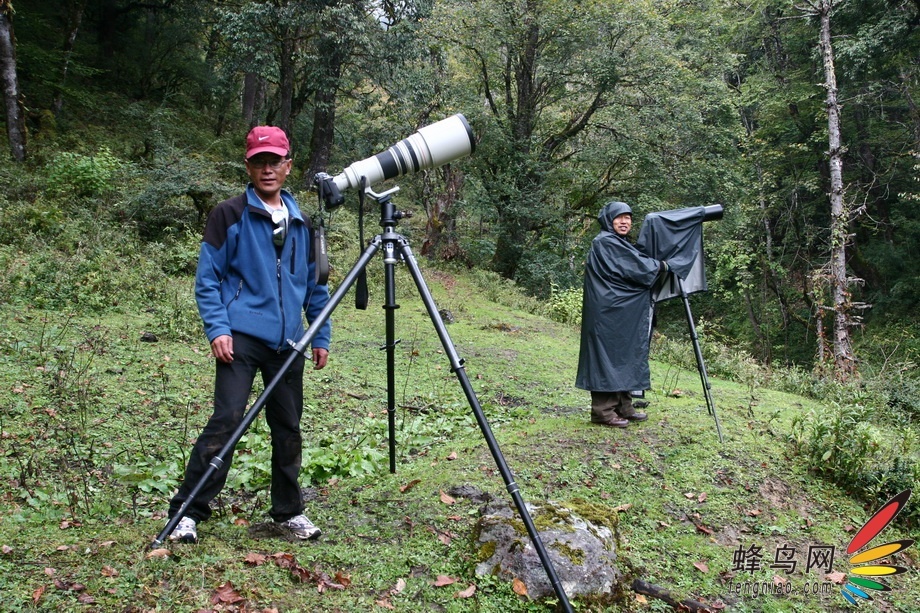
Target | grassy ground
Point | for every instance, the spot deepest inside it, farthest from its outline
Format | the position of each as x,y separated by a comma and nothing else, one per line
96,425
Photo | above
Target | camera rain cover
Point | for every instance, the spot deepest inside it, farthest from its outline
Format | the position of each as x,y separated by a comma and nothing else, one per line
677,237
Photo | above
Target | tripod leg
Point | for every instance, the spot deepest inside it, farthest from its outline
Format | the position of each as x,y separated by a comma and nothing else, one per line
389,264
218,460
701,367
456,365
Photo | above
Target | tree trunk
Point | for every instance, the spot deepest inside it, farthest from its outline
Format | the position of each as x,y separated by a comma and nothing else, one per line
844,358
324,103
286,85
75,18
253,98
15,124
440,236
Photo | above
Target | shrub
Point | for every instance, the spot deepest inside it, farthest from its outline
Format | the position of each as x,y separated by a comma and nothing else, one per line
81,175
841,445
565,305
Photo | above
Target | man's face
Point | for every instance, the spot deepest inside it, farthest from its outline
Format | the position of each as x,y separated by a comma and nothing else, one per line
622,224
268,173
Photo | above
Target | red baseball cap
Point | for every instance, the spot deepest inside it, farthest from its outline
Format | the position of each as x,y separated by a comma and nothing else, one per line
267,139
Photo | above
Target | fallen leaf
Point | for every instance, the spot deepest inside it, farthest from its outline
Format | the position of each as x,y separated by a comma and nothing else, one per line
754,512
837,577
405,488
255,559
400,586
467,593
623,507
641,599
518,586
443,580
162,552
240,521
49,571
63,547
226,594
446,499
6,549
779,581
701,566
663,524
385,603
452,456
342,579
37,594
689,495
702,497
108,571
704,529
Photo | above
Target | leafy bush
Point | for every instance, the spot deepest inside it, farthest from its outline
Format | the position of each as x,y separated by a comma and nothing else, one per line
565,305
506,292
81,175
904,398
841,445
837,442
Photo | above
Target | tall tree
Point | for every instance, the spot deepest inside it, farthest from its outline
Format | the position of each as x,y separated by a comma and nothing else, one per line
843,307
579,102
9,80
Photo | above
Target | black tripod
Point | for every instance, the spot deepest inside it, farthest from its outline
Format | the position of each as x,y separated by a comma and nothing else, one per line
700,366
673,280
394,246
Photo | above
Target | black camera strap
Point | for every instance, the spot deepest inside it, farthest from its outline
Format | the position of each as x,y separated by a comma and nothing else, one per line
320,255
361,294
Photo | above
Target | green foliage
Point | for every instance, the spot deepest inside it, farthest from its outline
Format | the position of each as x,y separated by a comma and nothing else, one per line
564,305
504,291
840,443
837,442
84,176
904,399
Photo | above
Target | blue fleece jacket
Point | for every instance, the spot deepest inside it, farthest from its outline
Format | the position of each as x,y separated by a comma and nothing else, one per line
246,284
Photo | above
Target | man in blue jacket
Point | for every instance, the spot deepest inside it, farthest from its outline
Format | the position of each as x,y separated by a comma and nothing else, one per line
255,280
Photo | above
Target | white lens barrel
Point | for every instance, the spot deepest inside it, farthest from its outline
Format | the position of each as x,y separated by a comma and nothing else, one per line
430,147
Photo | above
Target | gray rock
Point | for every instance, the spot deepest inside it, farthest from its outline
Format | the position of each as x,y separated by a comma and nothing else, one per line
579,538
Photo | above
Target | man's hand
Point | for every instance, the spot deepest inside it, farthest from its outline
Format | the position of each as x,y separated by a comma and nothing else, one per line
222,348
320,357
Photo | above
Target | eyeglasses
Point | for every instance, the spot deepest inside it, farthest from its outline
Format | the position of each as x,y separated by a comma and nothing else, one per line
261,163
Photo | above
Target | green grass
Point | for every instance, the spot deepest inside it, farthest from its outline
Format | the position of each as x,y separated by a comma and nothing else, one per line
96,426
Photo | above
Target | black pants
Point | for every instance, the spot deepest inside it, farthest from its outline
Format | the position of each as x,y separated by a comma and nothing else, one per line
283,410
606,405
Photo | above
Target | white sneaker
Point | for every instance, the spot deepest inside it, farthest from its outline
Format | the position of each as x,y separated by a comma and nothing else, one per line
186,531
301,527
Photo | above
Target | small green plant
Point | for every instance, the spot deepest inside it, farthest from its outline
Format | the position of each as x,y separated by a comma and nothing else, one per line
83,175
565,305
836,442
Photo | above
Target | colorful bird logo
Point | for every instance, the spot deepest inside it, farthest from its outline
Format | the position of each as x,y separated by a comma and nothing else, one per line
857,582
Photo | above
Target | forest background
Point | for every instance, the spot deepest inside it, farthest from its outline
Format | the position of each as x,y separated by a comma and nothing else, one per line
130,116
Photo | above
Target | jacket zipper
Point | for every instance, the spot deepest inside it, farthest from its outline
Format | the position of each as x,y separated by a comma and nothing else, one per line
280,300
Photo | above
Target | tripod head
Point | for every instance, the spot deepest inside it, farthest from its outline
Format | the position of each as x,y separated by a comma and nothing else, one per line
389,216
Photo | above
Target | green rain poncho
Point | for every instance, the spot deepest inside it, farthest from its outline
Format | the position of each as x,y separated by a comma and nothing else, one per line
617,302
